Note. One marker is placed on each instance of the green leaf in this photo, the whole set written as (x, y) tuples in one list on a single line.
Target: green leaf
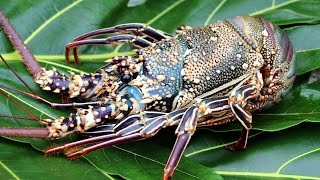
[(47, 26), (25, 163), (289, 154), (299, 105)]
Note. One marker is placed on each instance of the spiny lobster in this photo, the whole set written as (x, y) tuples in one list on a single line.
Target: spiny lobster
[(199, 77)]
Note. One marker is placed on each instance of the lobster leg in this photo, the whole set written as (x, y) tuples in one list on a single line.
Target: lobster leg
[(237, 101), (219, 109), (84, 119), (113, 40), (127, 66), (57, 105), (133, 128), (35, 96), (52, 80), (137, 29), (110, 131), (184, 132)]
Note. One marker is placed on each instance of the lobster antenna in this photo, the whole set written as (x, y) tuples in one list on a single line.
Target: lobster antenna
[(25, 132), (29, 60), (18, 117), (19, 105), (35, 96), (16, 74)]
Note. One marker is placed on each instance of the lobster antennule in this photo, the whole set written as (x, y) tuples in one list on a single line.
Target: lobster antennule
[(25, 132), (29, 60)]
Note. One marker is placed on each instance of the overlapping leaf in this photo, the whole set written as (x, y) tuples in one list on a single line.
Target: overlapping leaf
[(46, 26)]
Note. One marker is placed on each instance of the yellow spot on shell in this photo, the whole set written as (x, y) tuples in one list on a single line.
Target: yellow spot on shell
[(161, 78), (265, 33), (197, 81), (56, 90), (46, 88), (245, 66)]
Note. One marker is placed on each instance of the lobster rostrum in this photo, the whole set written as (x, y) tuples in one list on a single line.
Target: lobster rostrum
[(202, 76)]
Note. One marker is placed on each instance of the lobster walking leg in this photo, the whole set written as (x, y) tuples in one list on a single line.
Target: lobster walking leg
[(110, 131), (184, 132), (237, 101), (126, 66), (81, 121), (137, 29), (133, 128), (113, 40), (217, 107), (35, 96)]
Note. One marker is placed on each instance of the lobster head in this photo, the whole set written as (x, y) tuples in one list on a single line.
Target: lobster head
[(279, 68)]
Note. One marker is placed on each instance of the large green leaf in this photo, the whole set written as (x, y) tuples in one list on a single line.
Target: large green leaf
[(46, 26)]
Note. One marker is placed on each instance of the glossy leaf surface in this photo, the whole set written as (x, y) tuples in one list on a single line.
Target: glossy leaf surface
[(47, 26)]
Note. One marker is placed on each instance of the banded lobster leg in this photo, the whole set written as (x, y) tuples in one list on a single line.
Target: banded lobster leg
[(81, 121), (51, 80), (219, 110), (89, 85), (108, 132), (37, 97), (113, 108), (139, 30), (242, 107)]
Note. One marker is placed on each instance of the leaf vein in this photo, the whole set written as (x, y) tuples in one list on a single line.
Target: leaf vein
[(216, 147), (47, 22), (164, 12), (9, 170), (295, 158), (139, 155), (273, 7), (215, 10)]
